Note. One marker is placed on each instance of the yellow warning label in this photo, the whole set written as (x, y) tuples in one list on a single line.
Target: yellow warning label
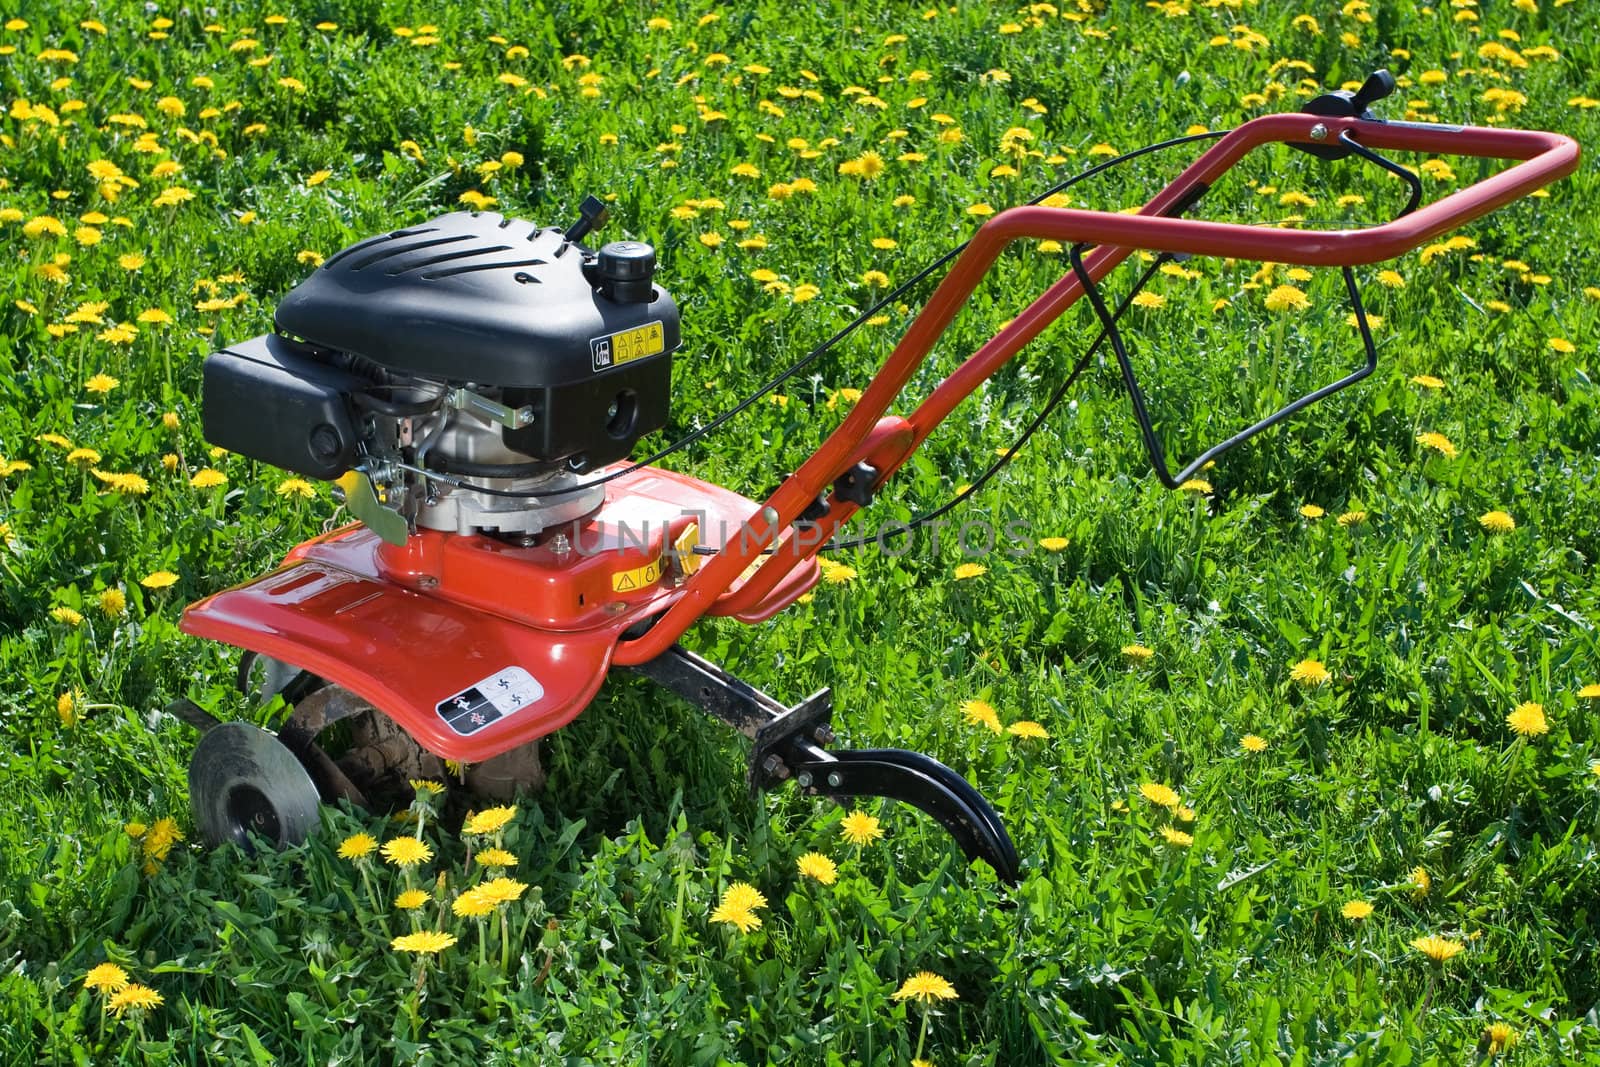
[(636, 579), (637, 343), (688, 559)]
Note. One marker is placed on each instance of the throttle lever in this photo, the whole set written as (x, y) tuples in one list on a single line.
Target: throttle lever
[(1344, 104)]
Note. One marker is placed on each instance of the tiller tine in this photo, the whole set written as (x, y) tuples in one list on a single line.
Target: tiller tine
[(787, 743), (924, 783)]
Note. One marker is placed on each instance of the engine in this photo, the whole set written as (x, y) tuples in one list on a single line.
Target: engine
[(476, 368)]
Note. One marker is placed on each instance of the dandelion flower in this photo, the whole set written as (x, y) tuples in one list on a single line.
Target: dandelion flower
[(1197, 486), (1439, 443), (1253, 743), (106, 978), (1590, 692), (496, 857), (1436, 948), (406, 851), (432, 788), (1287, 298), (742, 918), (357, 846), (158, 580), (66, 615), (1356, 910), (423, 942), (1156, 793), (113, 602), (859, 828), (1352, 518), (1420, 882), (970, 570), (981, 713), (1562, 345), (1427, 381), (411, 899), (208, 478), (925, 987), (296, 487), (504, 890), (1176, 838), (1497, 1038), (1497, 522), (474, 904), (1311, 512), (1054, 544), (816, 866), (836, 573), (1028, 730), (1310, 673), (1528, 720), (101, 384), (135, 996), (489, 820)]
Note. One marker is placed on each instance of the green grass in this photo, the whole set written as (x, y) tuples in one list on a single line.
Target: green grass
[(1118, 947)]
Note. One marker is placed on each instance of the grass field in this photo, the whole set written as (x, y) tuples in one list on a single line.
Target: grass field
[(1300, 720)]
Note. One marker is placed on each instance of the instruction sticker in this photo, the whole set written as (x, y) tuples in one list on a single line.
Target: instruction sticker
[(625, 347), (636, 579), (501, 694)]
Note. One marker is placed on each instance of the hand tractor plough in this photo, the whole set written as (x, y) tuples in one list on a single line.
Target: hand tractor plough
[(475, 384)]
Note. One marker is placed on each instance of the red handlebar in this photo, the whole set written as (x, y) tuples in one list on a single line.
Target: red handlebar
[(885, 443)]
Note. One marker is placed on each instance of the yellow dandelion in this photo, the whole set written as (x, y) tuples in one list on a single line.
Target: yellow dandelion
[(1054, 544), (1562, 345), (1028, 730), (423, 942), (100, 384), (1497, 1038), (1159, 794), (820, 868), (406, 851), (208, 478), (1253, 743), (357, 846), (106, 978), (411, 899), (1311, 512), (1287, 298), (1356, 910), (503, 890), (296, 487), (1352, 518), (489, 821), (1197, 486), (113, 602), (1497, 522), (1310, 673), (135, 996), (1436, 948), (1527, 719), (83, 457), (474, 904), (1590, 692), (859, 828), (742, 918), (1427, 381), (1176, 838), (1420, 881), (158, 580), (926, 987), (496, 857), (66, 615), (981, 713), (970, 570), (1438, 442)]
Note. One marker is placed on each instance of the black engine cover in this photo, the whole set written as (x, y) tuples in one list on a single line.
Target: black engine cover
[(482, 298)]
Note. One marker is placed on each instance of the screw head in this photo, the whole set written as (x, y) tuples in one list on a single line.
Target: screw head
[(804, 779), (835, 779), (773, 766), (1319, 132)]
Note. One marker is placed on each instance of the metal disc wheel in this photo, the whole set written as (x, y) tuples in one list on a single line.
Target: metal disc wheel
[(243, 781)]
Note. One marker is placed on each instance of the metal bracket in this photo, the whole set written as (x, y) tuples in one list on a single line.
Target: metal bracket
[(771, 725)]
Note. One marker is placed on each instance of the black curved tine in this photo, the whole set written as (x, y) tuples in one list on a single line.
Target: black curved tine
[(951, 780), (970, 824)]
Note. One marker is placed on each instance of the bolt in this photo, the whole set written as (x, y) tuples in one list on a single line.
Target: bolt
[(835, 779), (524, 416), (560, 546), (804, 779), (428, 581), (823, 734), (773, 767), (1319, 132)]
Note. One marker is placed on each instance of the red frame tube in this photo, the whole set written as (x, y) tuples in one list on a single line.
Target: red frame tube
[(1545, 157)]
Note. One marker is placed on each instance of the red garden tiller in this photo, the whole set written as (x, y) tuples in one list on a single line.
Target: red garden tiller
[(475, 384)]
